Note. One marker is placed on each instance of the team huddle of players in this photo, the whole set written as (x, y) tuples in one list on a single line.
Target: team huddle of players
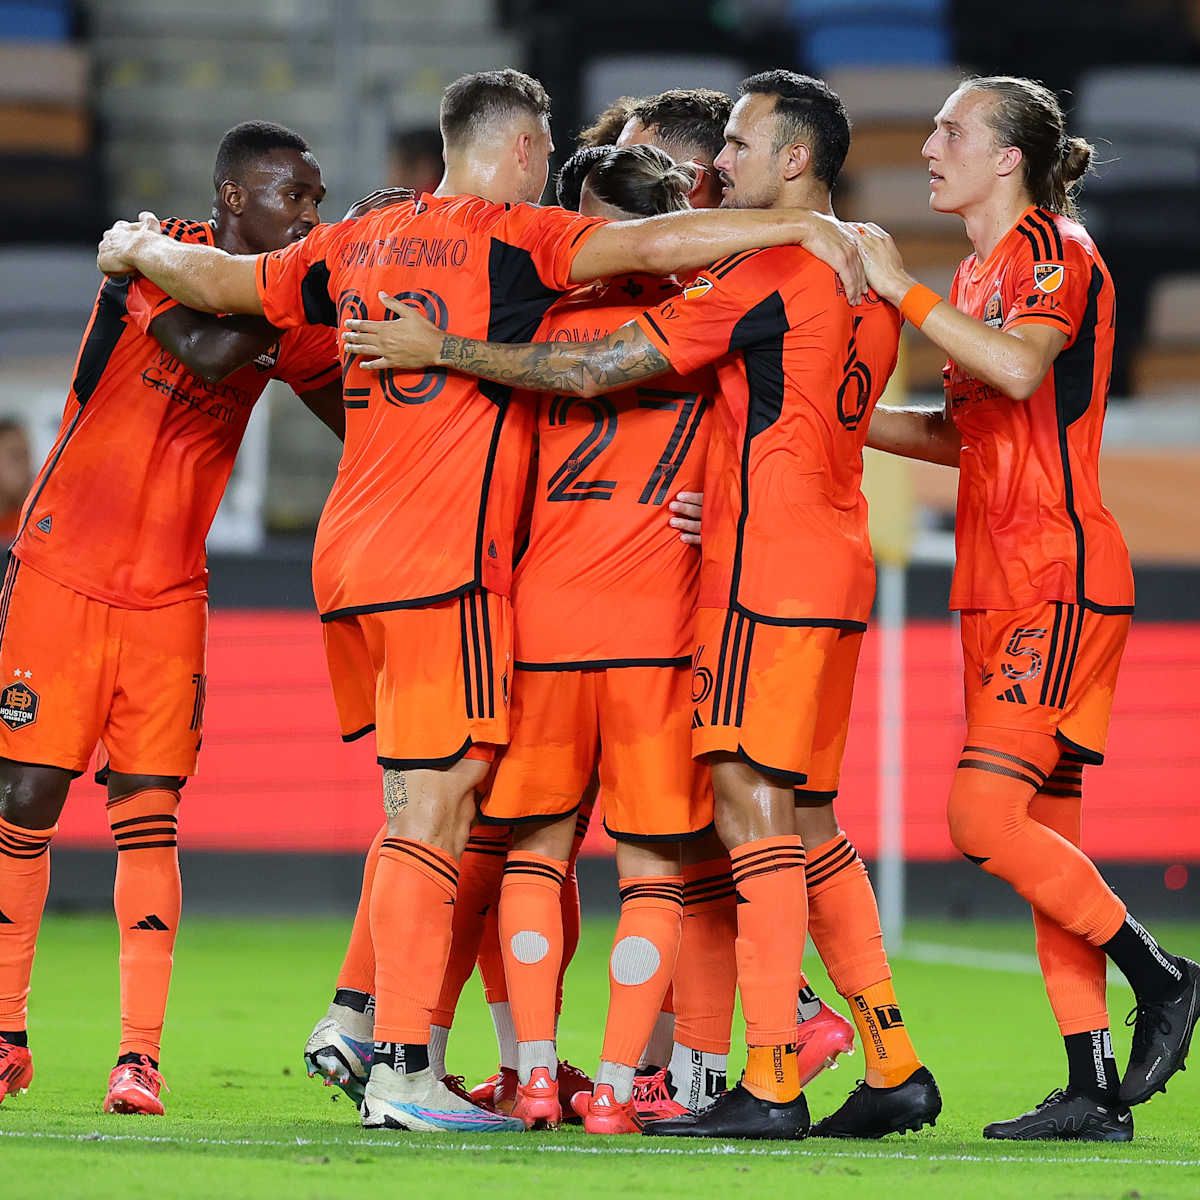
[(527, 394)]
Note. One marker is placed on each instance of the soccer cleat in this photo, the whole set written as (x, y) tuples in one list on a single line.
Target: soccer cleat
[(134, 1087), (652, 1099), (16, 1069), (1066, 1115), (422, 1103), (340, 1049), (603, 1113), (1162, 1035), (819, 1041), (497, 1093), (538, 1105), (871, 1112), (738, 1113), (571, 1081)]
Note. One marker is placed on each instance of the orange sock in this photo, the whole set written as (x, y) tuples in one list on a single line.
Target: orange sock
[(479, 873), (1074, 969), (358, 967), (412, 908), (706, 970), (24, 882), (843, 919), (772, 916), (531, 941), (147, 900), (997, 776), (643, 958), (490, 961), (887, 1048), (772, 1073), (571, 913)]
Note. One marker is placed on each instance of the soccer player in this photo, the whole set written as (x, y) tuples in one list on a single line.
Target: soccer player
[(103, 614), (605, 129), (776, 643), (1042, 579), (418, 634)]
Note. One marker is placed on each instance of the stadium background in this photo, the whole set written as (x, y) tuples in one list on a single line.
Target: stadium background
[(111, 106)]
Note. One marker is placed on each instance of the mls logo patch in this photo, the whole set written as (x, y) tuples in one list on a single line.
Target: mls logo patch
[(697, 288), (18, 706), (1048, 277)]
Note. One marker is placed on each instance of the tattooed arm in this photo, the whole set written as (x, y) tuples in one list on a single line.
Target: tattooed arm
[(410, 342)]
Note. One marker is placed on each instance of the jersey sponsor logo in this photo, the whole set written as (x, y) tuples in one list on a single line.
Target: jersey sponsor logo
[(219, 401), (19, 705), (1048, 277), (993, 314), (697, 288), (1012, 695)]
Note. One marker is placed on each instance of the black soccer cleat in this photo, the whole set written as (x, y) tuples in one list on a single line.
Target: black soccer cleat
[(1066, 1116), (739, 1114), (871, 1112), (1162, 1034)]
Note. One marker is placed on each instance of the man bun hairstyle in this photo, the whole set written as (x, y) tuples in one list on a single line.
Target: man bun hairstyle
[(1027, 114), (806, 110), (474, 104), (689, 121), (249, 141), (568, 184), (642, 181)]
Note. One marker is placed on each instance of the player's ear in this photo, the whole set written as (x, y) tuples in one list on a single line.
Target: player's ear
[(700, 175), (1008, 160), (798, 159), (232, 197), (524, 149)]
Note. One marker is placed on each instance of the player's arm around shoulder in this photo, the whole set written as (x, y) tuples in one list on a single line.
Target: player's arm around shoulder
[(410, 342), (209, 346), (201, 277), (1013, 360)]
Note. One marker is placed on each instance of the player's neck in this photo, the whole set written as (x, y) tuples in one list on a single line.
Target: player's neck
[(988, 222), (478, 177), (810, 198), (228, 237)]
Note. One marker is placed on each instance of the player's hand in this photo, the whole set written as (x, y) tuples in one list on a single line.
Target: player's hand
[(407, 342), (118, 246), (686, 506), (835, 244), (883, 262), (380, 198)]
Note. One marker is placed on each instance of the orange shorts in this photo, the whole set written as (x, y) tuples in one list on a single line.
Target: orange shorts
[(634, 721), (1051, 668), (777, 696), (431, 682), (75, 671)]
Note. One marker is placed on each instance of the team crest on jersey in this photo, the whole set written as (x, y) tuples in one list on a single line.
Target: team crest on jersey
[(1048, 277), (268, 358), (698, 287), (19, 706), (993, 315)]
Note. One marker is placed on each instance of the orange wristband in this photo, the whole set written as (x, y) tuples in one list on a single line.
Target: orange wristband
[(919, 301)]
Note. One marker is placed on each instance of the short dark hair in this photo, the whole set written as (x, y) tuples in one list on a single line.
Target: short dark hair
[(607, 126), (472, 102), (250, 140), (642, 181), (690, 121), (569, 183), (806, 108)]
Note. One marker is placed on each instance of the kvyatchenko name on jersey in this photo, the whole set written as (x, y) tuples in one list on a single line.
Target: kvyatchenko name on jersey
[(404, 252)]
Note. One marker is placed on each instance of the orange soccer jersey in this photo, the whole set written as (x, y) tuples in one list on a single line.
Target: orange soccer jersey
[(1031, 526), (799, 371), (425, 502), (121, 509), (605, 580)]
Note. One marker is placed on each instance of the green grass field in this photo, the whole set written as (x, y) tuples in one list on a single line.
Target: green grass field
[(243, 1121)]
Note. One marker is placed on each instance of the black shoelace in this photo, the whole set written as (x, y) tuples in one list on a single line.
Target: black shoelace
[(1147, 1017)]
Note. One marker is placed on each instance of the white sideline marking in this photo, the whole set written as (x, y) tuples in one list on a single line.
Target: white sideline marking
[(486, 1146), (946, 955)]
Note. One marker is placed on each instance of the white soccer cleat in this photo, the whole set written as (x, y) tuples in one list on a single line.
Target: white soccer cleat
[(422, 1103), (340, 1049)]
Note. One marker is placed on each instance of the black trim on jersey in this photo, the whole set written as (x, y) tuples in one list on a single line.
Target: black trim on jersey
[(1092, 758), (813, 798), (555, 816), (720, 270), (500, 396), (1033, 242), (759, 335), (1108, 610), (604, 664), (319, 308), (358, 733), (102, 338), (795, 778), (1073, 373), (421, 764), (31, 504), (733, 666), (691, 836), (654, 325), (356, 404), (10, 581), (802, 622), (1035, 229), (1048, 222), (519, 298), (356, 610)]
